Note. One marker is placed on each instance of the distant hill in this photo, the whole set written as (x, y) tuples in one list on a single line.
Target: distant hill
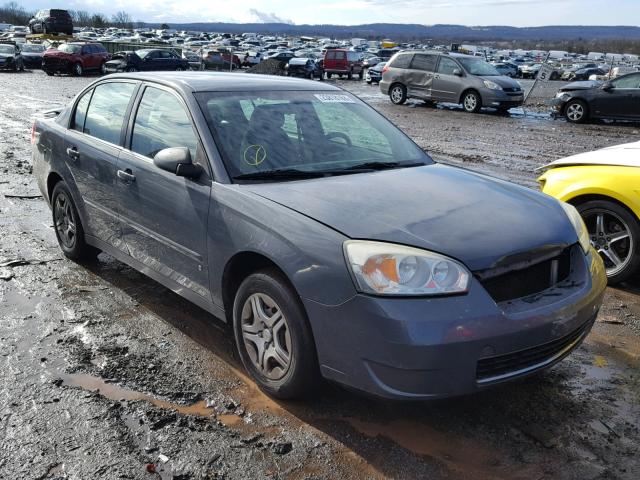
[(423, 32)]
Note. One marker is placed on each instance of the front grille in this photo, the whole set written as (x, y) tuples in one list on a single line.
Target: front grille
[(513, 89), (529, 281), (512, 364), (52, 62)]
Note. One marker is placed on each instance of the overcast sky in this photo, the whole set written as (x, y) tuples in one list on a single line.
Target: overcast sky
[(352, 12)]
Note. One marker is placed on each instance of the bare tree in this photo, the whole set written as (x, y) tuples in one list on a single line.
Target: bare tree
[(122, 19)]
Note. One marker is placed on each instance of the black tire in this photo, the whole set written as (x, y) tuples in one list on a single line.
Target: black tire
[(74, 248), (132, 69), (49, 73), (350, 75), (103, 68), (361, 74), (471, 101), (77, 70), (302, 374), (369, 82), (615, 215), (328, 75), (576, 111), (398, 94)]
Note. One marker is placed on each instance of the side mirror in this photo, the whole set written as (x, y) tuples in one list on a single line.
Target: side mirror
[(607, 86), (177, 160), (457, 72)]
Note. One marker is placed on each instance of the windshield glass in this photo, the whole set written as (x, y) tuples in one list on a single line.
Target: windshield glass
[(313, 131), (10, 49), (68, 48), (27, 47), (478, 67)]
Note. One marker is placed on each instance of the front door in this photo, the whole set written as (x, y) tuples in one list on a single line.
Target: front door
[(621, 101), (164, 217), (447, 87), (92, 148), (420, 75)]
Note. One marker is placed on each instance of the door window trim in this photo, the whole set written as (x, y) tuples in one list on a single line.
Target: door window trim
[(127, 113), (134, 113)]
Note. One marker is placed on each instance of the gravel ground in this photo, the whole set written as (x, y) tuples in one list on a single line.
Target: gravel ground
[(106, 374)]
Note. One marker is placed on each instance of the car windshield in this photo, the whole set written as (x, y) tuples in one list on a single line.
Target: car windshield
[(10, 49), (68, 48), (313, 132), (478, 67), (32, 48)]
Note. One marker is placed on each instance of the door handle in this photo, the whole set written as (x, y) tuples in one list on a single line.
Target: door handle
[(73, 153), (126, 176)]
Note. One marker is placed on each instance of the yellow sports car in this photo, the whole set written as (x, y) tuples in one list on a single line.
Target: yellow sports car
[(605, 188)]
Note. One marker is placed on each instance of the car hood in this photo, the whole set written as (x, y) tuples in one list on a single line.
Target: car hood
[(625, 155), (7, 55), (503, 81), (483, 222), (584, 85)]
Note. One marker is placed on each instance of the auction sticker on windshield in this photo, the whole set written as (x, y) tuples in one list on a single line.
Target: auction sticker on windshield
[(333, 98)]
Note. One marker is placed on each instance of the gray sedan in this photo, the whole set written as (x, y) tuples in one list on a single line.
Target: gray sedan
[(331, 242)]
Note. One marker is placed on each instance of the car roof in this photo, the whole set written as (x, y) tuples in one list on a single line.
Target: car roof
[(225, 81)]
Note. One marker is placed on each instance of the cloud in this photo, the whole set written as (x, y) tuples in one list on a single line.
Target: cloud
[(264, 17)]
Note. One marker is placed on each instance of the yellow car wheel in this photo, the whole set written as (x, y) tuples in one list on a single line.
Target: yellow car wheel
[(615, 234)]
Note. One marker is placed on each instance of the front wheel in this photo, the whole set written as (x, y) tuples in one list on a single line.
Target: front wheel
[(575, 111), (472, 102), (398, 94), (614, 233), (77, 70), (68, 227), (273, 336), (328, 75), (103, 69)]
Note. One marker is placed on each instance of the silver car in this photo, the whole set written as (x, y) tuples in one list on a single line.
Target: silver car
[(449, 77)]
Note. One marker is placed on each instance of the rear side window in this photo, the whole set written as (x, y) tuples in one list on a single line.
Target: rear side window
[(105, 115), (162, 122), (402, 61), (423, 62), (81, 112)]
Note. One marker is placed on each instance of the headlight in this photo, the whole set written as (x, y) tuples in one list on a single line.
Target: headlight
[(492, 85), (387, 269), (564, 96), (578, 224)]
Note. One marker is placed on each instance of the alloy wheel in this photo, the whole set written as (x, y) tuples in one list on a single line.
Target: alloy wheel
[(65, 222), (396, 94), (470, 102), (611, 237), (575, 112), (266, 336)]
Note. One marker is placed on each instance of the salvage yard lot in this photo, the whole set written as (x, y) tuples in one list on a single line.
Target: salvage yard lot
[(106, 374)]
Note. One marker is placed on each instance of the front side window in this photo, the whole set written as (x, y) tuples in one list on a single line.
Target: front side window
[(447, 66), (479, 67), (80, 114), (630, 81), (317, 131), (162, 122), (105, 115)]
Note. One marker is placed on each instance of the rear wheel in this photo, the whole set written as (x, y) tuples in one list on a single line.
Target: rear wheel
[(614, 232), (68, 227), (398, 94), (575, 111), (273, 336), (472, 102)]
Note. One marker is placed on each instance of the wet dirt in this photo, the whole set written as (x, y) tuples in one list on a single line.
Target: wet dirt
[(104, 372)]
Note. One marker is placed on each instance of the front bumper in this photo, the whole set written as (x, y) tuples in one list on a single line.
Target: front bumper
[(427, 348), (501, 99)]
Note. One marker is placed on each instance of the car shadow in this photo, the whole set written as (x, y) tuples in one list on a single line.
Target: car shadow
[(505, 432)]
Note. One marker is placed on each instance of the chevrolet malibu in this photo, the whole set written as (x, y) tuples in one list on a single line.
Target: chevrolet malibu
[(332, 243)]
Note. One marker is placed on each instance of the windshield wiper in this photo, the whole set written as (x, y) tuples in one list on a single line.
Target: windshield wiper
[(383, 165), (280, 174)]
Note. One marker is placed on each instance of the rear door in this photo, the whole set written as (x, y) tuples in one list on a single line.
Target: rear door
[(420, 75), (93, 144), (447, 87), (164, 217)]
